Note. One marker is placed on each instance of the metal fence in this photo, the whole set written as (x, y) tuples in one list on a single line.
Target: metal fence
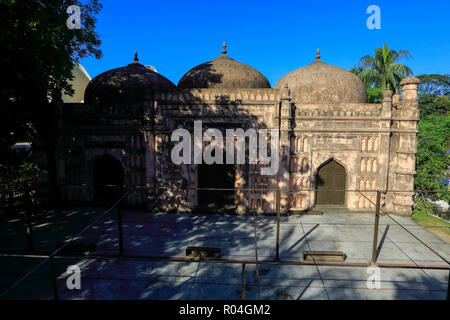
[(117, 209)]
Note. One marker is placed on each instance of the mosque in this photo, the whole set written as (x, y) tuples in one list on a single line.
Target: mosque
[(332, 142)]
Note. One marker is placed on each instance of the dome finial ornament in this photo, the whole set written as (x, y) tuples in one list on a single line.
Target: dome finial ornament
[(318, 54), (223, 73), (322, 83), (135, 60), (224, 48), (388, 92), (130, 83)]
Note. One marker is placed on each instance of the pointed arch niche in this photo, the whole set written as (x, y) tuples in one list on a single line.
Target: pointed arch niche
[(331, 182)]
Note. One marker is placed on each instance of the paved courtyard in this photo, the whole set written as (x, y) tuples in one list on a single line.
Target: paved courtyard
[(167, 235)]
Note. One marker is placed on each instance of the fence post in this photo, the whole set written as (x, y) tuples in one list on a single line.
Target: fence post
[(448, 286), (28, 220), (53, 276), (243, 282), (119, 222), (277, 256), (10, 200), (375, 231)]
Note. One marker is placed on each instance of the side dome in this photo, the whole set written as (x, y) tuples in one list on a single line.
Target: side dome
[(224, 73), (319, 82), (79, 83), (131, 83)]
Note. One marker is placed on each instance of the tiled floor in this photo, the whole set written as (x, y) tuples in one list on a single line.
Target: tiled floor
[(169, 234)]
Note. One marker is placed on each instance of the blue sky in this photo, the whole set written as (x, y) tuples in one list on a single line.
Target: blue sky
[(275, 37)]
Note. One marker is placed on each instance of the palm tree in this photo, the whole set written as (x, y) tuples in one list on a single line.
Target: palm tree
[(383, 68)]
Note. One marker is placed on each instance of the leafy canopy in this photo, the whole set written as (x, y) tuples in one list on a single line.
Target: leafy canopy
[(432, 160), (434, 84), (374, 95), (383, 68), (37, 56), (429, 104)]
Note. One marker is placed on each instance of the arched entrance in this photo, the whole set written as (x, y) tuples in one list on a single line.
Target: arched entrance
[(107, 173), (330, 183), (220, 176)]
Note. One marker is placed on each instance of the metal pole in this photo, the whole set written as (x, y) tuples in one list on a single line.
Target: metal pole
[(28, 222), (29, 230), (256, 247), (243, 282), (375, 231), (448, 286), (277, 256), (10, 200), (53, 276), (119, 221)]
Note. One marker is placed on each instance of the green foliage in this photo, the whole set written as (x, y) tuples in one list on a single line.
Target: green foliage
[(37, 57), (422, 206), (19, 167), (433, 158), (374, 95), (421, 210), (423, 215), (383, 68), (430, 103), (356, 70), (434, 91), (433, 161), (434, 84)]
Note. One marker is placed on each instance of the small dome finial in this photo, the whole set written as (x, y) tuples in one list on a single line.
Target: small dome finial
[(135, 60), (224, 48), (388, 92), (318, 54)]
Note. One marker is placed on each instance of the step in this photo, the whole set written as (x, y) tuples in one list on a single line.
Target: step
[(203, 252), (324, 256)]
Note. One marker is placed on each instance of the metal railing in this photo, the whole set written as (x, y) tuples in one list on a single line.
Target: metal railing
[(121, 255)]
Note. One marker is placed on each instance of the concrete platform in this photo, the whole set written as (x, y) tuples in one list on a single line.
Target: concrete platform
[(168, 235)]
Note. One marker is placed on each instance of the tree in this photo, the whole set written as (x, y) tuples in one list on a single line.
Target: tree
[(434, 84), (383, 68), (434, 94), (374, 95), (433, 158), (429, 104), (433, 161), (37, 56)]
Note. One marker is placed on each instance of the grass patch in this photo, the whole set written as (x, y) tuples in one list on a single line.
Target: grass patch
[(422, 215)]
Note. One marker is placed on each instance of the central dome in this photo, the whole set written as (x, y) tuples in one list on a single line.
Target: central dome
[(223, 72), (323, 83)]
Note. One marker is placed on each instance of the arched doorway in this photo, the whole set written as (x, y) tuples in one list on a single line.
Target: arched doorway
[(330, 183), (221, 176), (107, 173)]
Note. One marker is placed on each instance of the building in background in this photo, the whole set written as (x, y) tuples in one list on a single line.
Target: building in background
[(79, 83), (332, 142)]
